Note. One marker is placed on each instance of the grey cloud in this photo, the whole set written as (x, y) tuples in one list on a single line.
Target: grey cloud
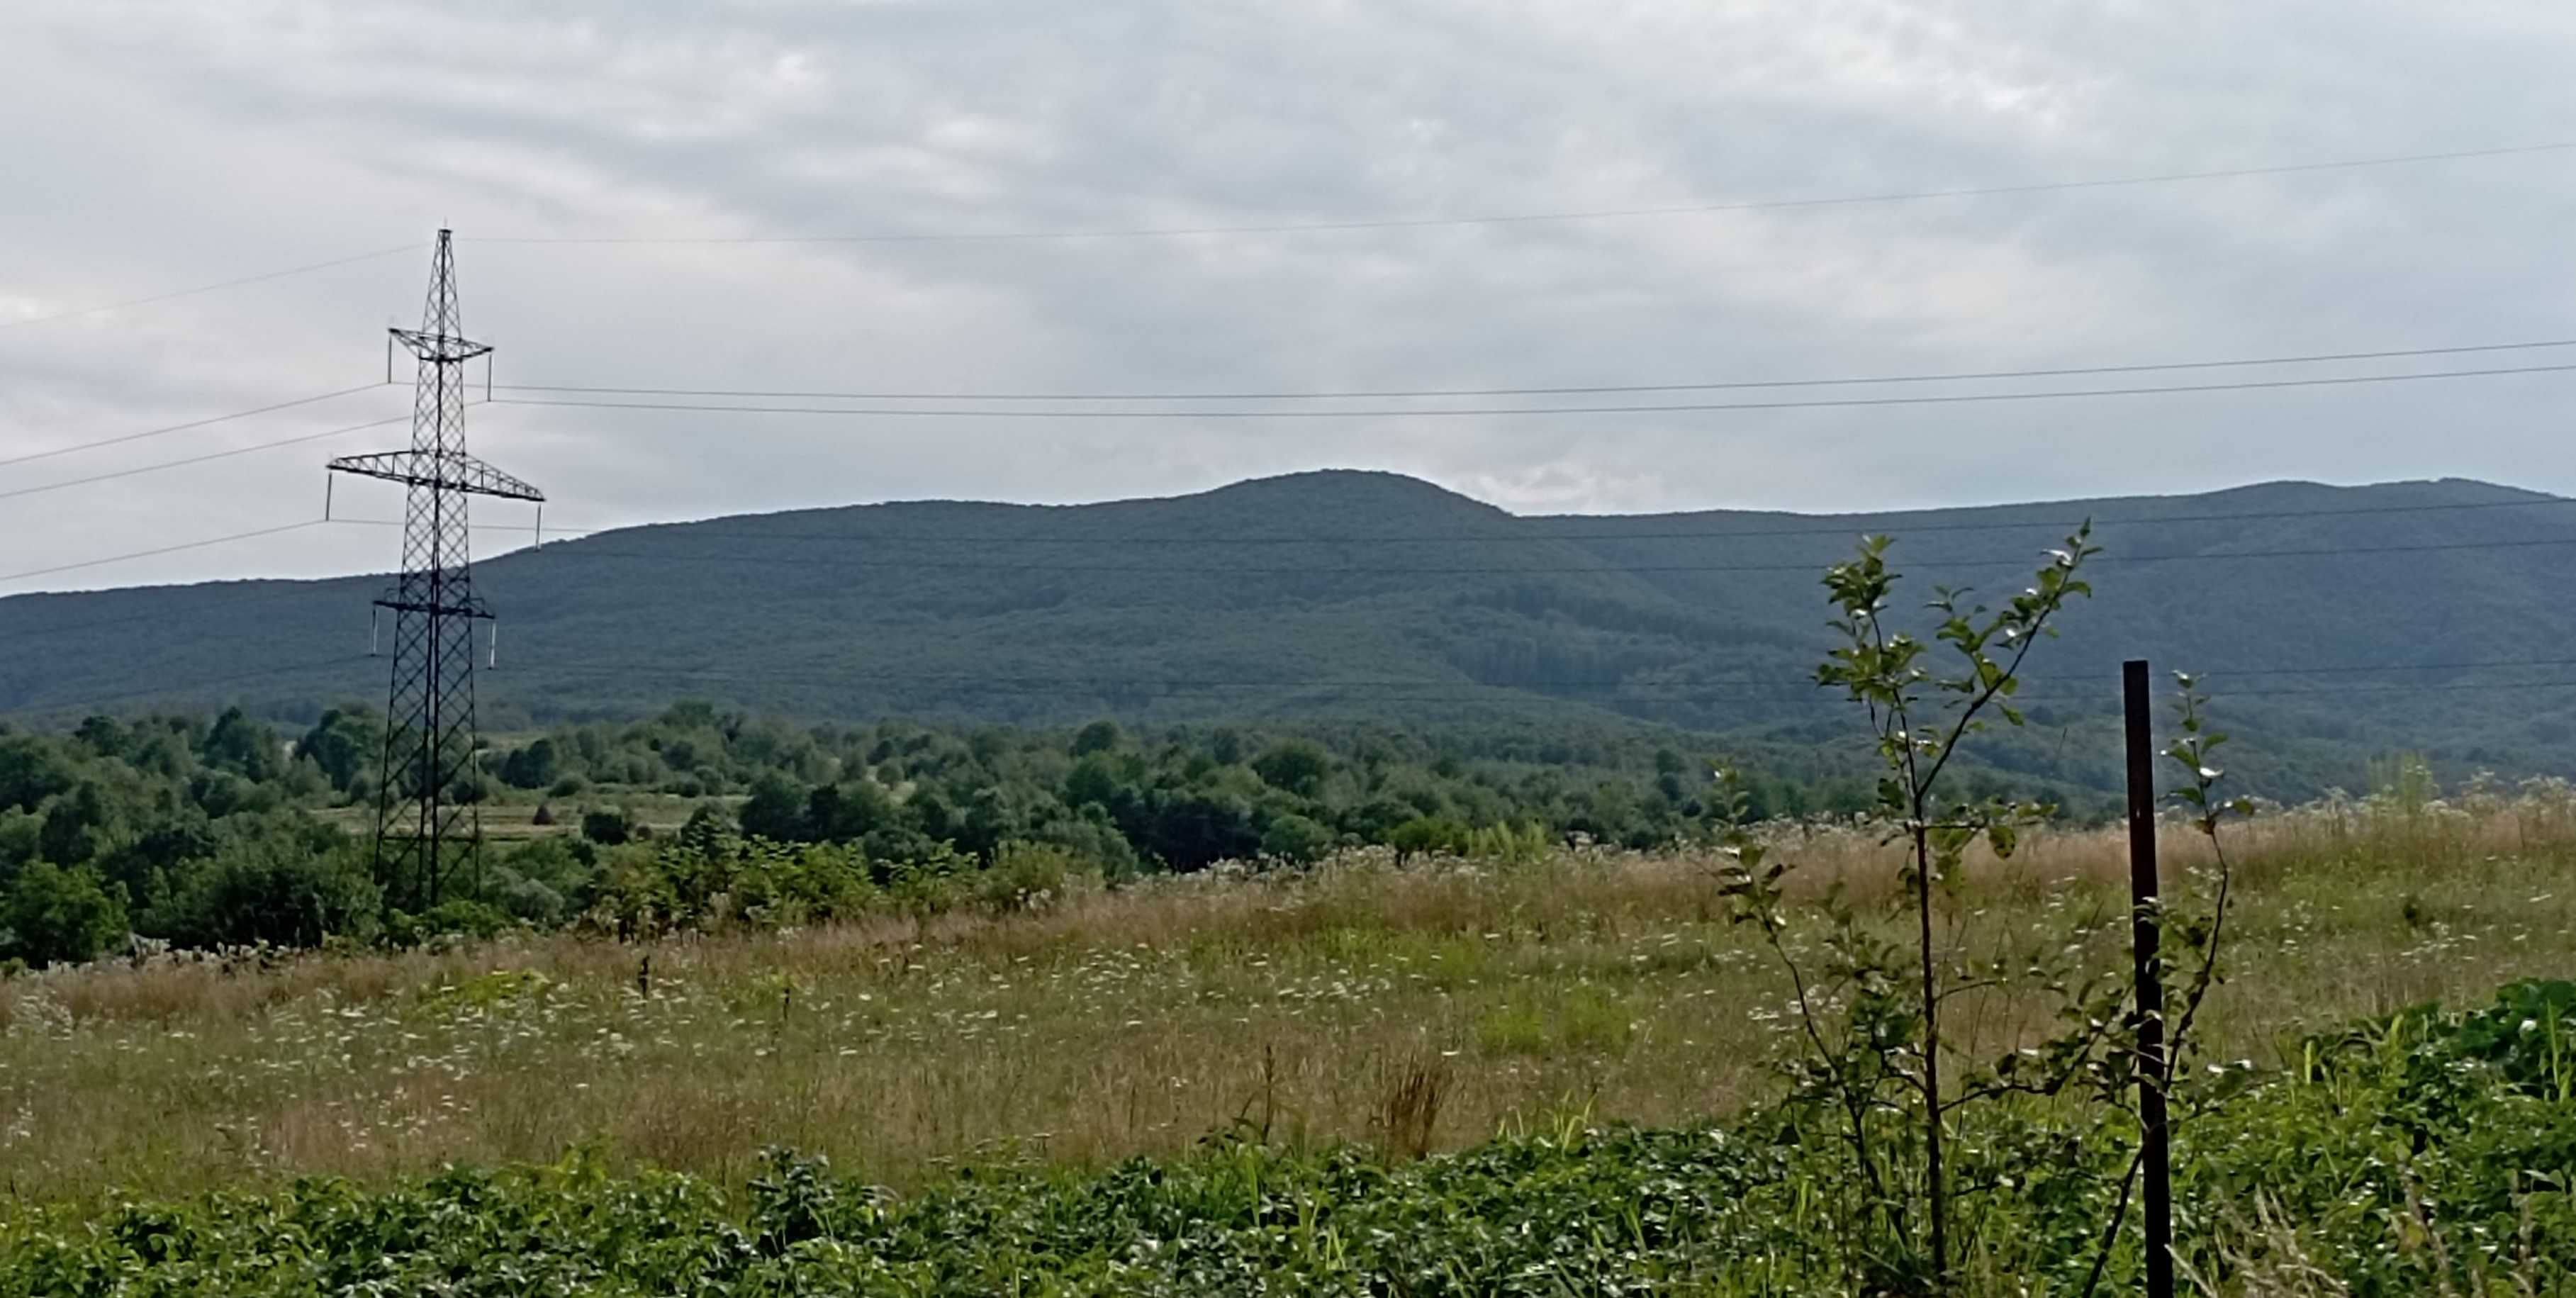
[(203, 133)]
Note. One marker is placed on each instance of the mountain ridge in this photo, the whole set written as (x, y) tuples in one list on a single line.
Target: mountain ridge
[(1344, 594)]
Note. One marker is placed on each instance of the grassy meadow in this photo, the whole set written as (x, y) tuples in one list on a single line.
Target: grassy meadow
[(1428, 1007)]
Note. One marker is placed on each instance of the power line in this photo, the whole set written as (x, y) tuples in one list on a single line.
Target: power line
[(161, 550), (1582, 390), (200, 459), (1531, 218), (1450, 412), (181, 428), (209, 288)]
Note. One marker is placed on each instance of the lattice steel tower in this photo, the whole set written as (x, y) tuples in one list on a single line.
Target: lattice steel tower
[(423, 833)]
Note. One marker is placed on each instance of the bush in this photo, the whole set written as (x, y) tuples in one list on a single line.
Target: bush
[(52, 915), (269, 889), (608, 828), (1296, 839), (1027, 876), (1095, 841), (455, 917), (1427, 835), (1298, 766), (530, 901)]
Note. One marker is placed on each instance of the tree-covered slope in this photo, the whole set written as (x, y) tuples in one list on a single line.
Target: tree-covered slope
[(1369, 595)]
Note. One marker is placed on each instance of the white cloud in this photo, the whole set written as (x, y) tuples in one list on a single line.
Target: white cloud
[(181, 144)]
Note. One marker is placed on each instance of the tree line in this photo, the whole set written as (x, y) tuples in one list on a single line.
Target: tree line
[(217, 831)]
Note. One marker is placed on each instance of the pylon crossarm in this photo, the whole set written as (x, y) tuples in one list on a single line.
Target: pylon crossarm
[(473, 608), (446, 470), (438, 346)]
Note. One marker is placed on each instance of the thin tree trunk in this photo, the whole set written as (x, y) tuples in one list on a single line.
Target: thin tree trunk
[(1939, 1197)]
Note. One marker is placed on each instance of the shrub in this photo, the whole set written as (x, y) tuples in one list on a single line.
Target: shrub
[(1510, 845), (455, 917), (608, 828), (1026, 876), (1427, 835), (271, 889), (1298, 766), (1295, 839), (53, 915)]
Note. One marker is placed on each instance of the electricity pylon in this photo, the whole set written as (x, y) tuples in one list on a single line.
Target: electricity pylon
[(423, 830)]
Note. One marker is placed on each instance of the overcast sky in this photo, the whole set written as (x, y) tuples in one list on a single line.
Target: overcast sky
[(158, 147)]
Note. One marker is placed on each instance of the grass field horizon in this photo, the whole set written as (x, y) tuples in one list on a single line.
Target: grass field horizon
[(1413, 1008)]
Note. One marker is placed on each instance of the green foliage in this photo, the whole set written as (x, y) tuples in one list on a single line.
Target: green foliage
[(282, 888), (607, 826), (1605, 627), (1427, 835), (2403, 1158), (1098, 737), (1296, 766), (1295, 839), (51, 915), (1871, 1054), (456, 917), (534, 766), (148, 803), (1028, 876), (1525, 844), (345, 744)]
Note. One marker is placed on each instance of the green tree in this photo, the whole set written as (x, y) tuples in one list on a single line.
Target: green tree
[(82, 825), (1298, 766), (344, 743), (32, 769), (244, 747), (273, 887), (776, 808), (1883, 1062), (1424, 835), (1096, 780), (607, 826), (533, 765), (52, 915), (1295, 839), (1098, 737)]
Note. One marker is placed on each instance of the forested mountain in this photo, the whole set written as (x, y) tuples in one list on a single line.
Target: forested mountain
[(2334, 622)]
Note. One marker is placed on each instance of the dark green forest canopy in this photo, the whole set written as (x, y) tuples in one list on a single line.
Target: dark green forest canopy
[(221, 831), (1342, 596)]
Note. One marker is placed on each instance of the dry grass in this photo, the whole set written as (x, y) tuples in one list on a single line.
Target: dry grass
[(1415, 1009)]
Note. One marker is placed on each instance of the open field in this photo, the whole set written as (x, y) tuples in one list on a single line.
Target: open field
[(1316, 1008)]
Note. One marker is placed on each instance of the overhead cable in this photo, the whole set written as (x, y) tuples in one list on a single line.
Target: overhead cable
[(162, 550), (200, 459), (209, 288), (181, 428), (1958, 398), (2312, 358)]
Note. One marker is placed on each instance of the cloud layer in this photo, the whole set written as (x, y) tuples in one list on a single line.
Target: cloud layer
[(175, 145)]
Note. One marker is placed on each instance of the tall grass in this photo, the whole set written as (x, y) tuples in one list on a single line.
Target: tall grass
[(1418, 1008)]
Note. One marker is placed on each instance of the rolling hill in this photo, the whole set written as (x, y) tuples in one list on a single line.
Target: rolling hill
[(2335, 621)]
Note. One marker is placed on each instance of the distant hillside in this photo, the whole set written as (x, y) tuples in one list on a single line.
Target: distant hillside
[(1342, 595)]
